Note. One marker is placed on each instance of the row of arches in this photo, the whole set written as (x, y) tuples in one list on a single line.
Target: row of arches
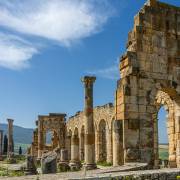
[(77, 138), (105, 136)]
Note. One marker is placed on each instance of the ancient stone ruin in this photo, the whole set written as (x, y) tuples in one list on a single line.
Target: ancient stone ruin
[(127, 131), (150, 78)]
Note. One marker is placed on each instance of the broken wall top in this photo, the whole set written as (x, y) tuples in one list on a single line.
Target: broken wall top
[(153, 47)]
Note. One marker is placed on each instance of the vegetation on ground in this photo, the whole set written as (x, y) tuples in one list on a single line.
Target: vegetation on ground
[(10, 173), (104, 163)]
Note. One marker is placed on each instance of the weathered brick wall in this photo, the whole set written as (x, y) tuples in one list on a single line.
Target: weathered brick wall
[(101, 113), (150, 70)]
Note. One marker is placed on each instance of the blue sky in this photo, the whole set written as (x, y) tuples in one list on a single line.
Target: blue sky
[(47, 46)]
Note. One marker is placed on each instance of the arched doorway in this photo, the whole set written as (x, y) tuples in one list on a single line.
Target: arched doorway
[(164, 103), (102, 141), (163, 137)]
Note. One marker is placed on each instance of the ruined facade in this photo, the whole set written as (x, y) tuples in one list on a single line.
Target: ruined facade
[(53, 123), (150, 78), (128, 130), (10, 150), (103, 119), (74, 128)]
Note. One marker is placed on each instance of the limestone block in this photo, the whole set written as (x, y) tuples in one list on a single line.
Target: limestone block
[(151, 109), (132, 155), (142, 108), (142, 100), (131, 115), (131, 107), (30, 166), (146, 155), (49, 163)]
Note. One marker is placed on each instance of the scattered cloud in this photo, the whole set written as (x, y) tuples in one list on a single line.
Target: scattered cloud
[(64, 21), (15, 52), (111, 72), (60, 21)]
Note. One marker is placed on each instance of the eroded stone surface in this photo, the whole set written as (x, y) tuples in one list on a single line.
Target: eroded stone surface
[(128, 130)]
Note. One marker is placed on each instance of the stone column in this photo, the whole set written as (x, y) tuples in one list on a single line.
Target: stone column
[(10, 138), (68, 146), (1, 144), (109, 147), (89, 123), (97, 145), (75, 163), (81, 150), (156, 143), (118, 153), (177, 134), (40, 138)]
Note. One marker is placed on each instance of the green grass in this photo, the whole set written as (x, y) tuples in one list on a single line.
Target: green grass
[(104, 163), (163, 154), (10, 173)]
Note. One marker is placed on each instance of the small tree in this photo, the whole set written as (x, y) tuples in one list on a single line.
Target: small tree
[(5, 144), (20, 150)]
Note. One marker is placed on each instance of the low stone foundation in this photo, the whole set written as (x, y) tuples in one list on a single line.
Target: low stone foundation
[(164, 174)]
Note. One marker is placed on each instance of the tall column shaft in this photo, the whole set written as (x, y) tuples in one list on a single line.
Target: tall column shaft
[(81, 150), (109, 146), (156, 144), (40, 138), (75, 149), (10, 138), (1, 142), (118, 153), (89, 123), (97, 145)]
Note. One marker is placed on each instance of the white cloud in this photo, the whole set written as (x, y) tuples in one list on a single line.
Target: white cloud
[(111, 72), (15, 52), (64, 21)]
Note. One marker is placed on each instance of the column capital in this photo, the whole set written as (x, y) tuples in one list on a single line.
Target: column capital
[(10, 120), (88, 79)]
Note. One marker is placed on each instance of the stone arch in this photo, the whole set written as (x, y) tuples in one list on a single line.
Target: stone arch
[(102, 140), (150, 64), (163, 99), (107, 115)]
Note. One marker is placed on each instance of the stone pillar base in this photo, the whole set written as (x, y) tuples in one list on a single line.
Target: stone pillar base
[(172, 164), (74, 166), (90, 166)]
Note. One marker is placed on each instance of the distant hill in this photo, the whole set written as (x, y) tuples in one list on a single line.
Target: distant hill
[(21, 135)]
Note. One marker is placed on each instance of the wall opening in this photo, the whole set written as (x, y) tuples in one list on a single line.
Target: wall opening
[(162, 134), (48, 138)]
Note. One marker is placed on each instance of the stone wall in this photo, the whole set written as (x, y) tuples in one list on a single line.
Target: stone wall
[(101, 113), (150, 78)]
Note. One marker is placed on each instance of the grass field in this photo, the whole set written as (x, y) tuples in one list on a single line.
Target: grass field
[(23, 146), (163, 152)]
